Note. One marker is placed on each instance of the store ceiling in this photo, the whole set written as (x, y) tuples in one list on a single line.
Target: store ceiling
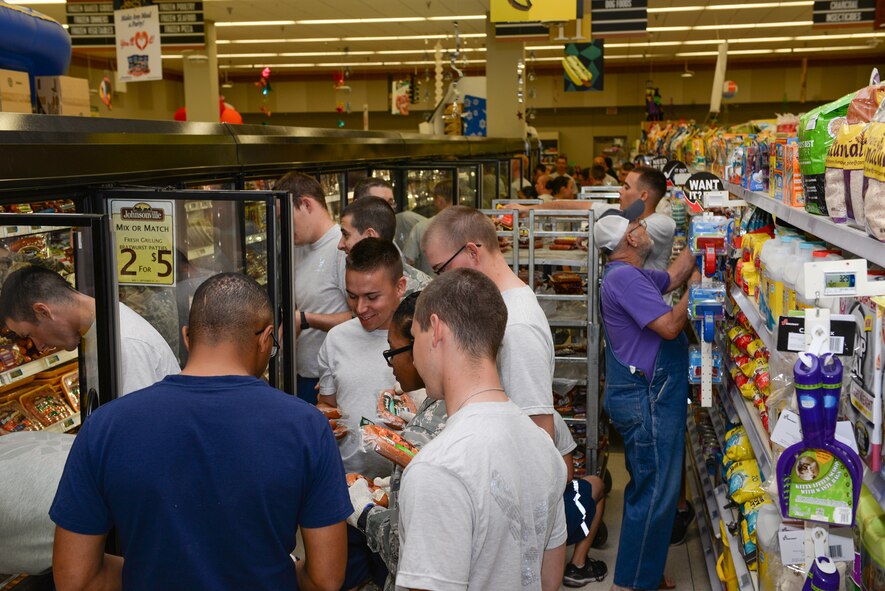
[(300, 38)]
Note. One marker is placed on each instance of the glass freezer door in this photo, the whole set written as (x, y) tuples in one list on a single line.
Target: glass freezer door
[(50, 377), (167, 242)]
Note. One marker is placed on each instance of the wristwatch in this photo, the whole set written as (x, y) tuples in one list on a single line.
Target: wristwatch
[(304, 324), (364, 517)]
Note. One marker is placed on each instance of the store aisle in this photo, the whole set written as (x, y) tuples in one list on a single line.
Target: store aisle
[(685, 563)]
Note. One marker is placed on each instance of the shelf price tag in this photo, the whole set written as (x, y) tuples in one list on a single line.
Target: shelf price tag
[(144, 233)]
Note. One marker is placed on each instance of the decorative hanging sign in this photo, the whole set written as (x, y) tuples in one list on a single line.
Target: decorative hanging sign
[(583, 66), (91, 22), (676, 173), (619, 18), (139, 56), (521, 11), (145, 241), (400, 92), (699, 188), (843, 13)]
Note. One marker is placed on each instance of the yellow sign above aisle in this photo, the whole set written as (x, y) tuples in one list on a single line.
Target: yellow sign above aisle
[(144, 235), (511, 11)]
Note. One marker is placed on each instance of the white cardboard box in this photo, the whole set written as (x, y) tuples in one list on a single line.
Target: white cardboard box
[(63, 95), (15, 92)]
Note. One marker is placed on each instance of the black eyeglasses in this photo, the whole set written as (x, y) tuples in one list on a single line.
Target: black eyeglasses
[(276, 345), (439, 270), (641, 224), (389, 354)]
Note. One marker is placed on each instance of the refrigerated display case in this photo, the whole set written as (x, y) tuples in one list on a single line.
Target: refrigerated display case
[(46, 388)]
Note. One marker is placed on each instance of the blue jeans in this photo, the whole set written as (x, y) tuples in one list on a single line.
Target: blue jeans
[(650, 416)]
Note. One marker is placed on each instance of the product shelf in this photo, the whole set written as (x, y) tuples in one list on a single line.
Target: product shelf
[(705, 528), (749, 418), (718, 427), (575, 420), (697, 460), (197, 206), (16, 231), (875, 483), (197, 253), (65, 425), (745, 580), (554, 258), (34, 367), (755, 317), (844, 236)]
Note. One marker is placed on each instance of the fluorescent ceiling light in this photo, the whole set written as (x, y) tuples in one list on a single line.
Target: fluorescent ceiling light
[(669, 9), (356, 21), (847, 36), (352, 21), (667, 29), (404, 51), (244, 55), (415, 37), (738, 41), (300, 40), (835, 48), (730, 52), (253, 23), (35, 2), (323, 53), (170, 56), (469, 17), (751, 26)]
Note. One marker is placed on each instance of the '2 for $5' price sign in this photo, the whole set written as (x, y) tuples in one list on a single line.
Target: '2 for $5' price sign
[(144, 233)]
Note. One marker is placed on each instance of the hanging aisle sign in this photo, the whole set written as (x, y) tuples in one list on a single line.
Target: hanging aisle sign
[(511, 11), (844, 13), (139, 56), (91, 23), (144, 239), (623, 18)]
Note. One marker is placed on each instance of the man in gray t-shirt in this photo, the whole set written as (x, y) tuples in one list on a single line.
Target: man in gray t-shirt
[(320, 298), (353, 371), (463, 237), (372, 217), (649, 186), (481, 504)]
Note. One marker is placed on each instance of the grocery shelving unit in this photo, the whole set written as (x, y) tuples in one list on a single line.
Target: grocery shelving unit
[(704, 500), (579, 311), (847, 237), (745, 580)]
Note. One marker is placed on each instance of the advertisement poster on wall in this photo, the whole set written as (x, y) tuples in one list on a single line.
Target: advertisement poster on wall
[(400, 93), (583, 66), (139, 55)]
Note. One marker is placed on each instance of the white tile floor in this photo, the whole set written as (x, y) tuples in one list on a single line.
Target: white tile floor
[(685, 563)]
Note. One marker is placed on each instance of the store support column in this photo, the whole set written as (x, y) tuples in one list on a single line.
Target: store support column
[(201, 80), (502, 106)]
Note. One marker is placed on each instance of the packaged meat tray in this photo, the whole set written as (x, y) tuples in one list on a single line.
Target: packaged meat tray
[(45, 404), (70, 385), (13, 418)]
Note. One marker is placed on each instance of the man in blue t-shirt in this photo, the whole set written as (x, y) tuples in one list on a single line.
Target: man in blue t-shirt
[(207, 475), (646, 388)]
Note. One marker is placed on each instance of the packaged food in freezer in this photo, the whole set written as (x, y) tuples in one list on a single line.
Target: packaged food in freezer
[(45, 404), (70, 385), (13, 418)]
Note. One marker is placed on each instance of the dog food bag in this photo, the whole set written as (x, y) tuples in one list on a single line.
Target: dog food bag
[(817, 131), (845, 174), (874, 177)]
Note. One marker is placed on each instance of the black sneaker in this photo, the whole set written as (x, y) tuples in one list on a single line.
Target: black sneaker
[(680, 525), (593, 570)]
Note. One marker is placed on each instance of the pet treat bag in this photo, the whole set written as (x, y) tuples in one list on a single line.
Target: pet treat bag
[(845, 176), (817, 131), (874, 177)]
